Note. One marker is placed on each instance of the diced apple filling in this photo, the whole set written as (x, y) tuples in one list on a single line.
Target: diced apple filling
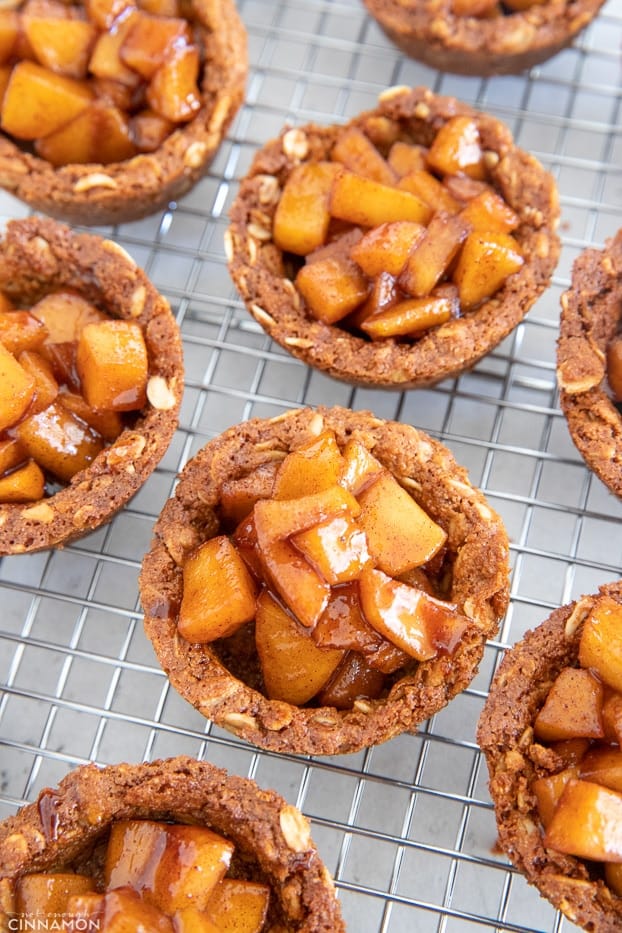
[(580, 806), (97, 82), (68, 376), (329, 559), (384, 235), (491, 9), (158, 877)]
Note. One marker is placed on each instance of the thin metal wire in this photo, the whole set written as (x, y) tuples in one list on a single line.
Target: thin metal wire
[(407, 828)]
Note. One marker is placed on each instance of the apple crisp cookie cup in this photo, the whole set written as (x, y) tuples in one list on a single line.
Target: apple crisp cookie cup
[(67, 827), (516, 759), (262, 271), (450, 36), (97, 194), (227, 688), (39, 257), (590, 319)]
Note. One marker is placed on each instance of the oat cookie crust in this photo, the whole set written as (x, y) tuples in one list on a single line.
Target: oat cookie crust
[(590, 317), (259, 272), (427, 470), (68, 826), (515, 760), (38, 256), (94, 194), (431, 32)]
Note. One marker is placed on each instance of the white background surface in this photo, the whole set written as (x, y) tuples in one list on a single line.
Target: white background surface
[(407, 828)]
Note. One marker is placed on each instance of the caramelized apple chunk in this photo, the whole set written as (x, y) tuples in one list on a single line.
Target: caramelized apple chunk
[(313, 467), (47, 894), (332, 288), (369, 203), (601, 642), (20, 330), (586, 822), (400, 534), (484, 264), (60, 443), (302, 218), (237, 906), (573, 708), (37, 101), (219, 592), (112, 364), (417, 623), (59, 41), (17, 389), (456, 149), (170, 865), (294, 669)]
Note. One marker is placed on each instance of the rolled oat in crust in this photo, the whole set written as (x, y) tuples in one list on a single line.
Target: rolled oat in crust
[(94, 194), (515, 760), (431, 32), (477, 543), (259, 271), (39, 256), (66, 829), (590, 317)]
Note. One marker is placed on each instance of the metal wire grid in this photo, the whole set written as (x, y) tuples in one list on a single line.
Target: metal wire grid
[(406, 828)]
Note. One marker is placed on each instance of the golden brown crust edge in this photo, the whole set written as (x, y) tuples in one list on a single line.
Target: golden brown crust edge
[(429, 31), (62, 826), (256, 264), (94, 194), (589, 318), (40, 255), (514, 759), (429, 472)]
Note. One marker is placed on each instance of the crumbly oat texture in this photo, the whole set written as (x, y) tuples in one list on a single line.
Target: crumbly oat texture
[(66, 827), (259, 271), (38, 256), (589, 319), (431, 32), (94, 194), (477, 543), (515, 760)]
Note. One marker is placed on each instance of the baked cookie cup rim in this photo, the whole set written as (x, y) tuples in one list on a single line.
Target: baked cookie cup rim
[(505, 736), (100, 194), (257, 268), (480, 586), (590, 315), (39, 256), (180, 789), (507, 44)]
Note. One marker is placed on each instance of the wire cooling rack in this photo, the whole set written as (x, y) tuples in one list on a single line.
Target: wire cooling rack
[(406, 828)]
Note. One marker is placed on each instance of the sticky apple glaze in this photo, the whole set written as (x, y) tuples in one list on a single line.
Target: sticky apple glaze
[(222, 680), (588, 334), (94, 194), (517, 759), (39, 257), (461, 36), (264, 275), (67, 829)]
